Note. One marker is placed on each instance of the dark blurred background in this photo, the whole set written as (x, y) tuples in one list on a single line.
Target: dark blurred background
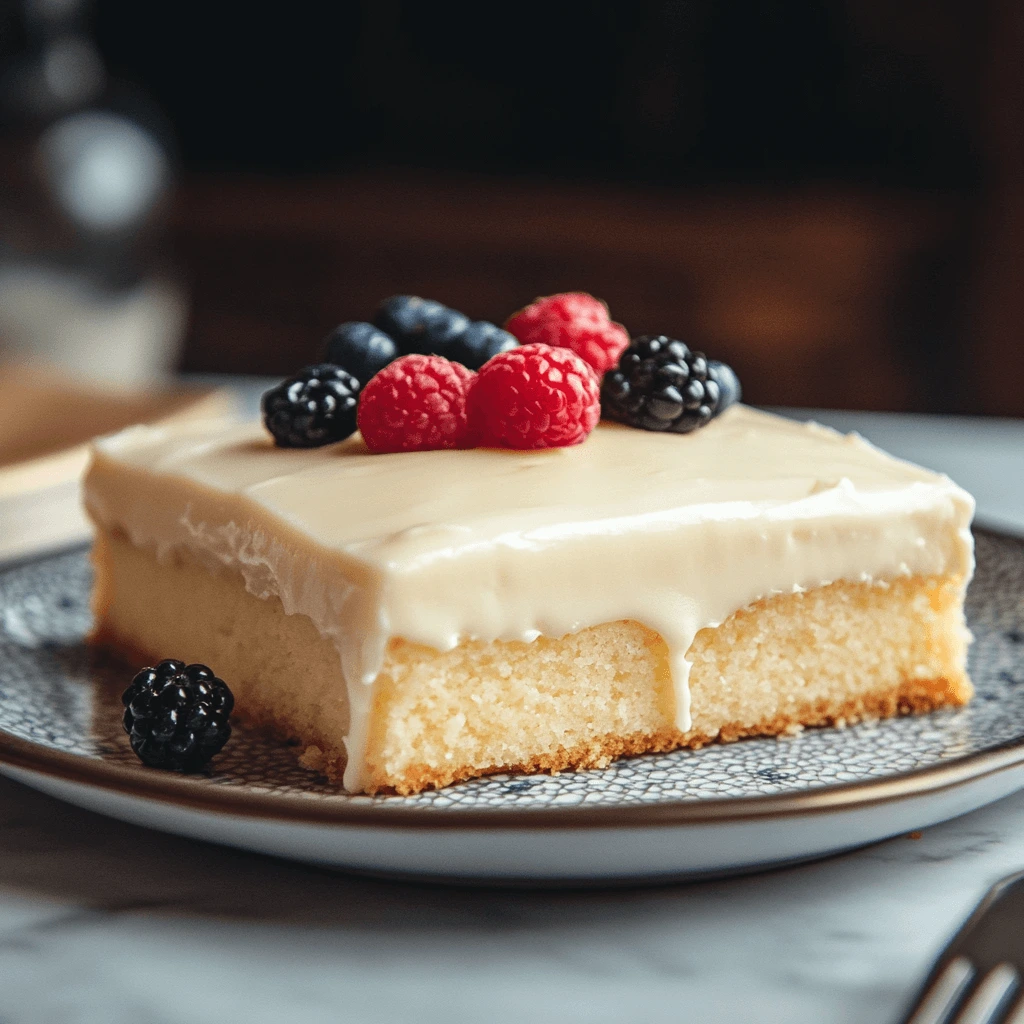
[(829, 195)]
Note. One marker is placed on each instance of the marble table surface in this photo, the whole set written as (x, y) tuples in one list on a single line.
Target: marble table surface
[(106, 923)]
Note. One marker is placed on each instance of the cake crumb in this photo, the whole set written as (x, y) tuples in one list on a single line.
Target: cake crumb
[(313, 758)]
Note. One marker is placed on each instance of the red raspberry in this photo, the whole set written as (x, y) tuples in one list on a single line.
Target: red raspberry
[(415, 404), (567, 306), (466, 375), (572, 320), (534, 396)]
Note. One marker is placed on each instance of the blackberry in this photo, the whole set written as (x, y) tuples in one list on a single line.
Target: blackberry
[(177, 715), (360, 348), (479, 342), (660, 384), (315, 407)]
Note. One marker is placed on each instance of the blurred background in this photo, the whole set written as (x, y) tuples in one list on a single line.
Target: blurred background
[(828, 195)]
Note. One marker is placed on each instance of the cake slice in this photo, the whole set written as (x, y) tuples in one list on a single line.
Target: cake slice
[(420, 618)]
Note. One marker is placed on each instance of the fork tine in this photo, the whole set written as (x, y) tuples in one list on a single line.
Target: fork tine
[(1016, 1015), (944, 993), (991, 997), (980, 975)]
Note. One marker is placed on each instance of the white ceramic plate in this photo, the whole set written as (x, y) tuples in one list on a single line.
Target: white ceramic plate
[(723, 809)]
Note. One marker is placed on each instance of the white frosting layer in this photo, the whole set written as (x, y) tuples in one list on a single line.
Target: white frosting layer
[(675, 532)]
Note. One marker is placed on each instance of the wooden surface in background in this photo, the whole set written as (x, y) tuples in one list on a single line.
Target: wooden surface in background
[(998, 310), (818, 297)]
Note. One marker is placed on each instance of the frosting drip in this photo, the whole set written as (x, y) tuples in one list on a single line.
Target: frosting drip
[(677, 533)]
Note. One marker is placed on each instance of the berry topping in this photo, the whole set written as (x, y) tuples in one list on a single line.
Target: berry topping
[(408, 317), (479, 342), (729, 390), (177, 715), (464, 373), (600, 345), (572, 320), (416, 404), (442, 333), (315, 407), (534, 396), (429, 328), (661, 385), (566, 306), (360, 348)]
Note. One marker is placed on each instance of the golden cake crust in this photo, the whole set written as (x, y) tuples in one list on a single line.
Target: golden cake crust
[(918, 696)]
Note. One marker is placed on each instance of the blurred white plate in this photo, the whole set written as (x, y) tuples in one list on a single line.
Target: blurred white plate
[(40, 497)]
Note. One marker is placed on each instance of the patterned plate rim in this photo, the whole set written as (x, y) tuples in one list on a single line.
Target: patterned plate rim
[(318, 809)]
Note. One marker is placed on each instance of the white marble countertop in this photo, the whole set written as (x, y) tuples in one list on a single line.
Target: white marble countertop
[(105, 923)]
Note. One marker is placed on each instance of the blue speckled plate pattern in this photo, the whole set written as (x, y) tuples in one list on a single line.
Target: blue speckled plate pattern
[(59, 695)]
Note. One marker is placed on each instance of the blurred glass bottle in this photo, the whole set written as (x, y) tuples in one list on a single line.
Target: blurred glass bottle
[(84, 180)]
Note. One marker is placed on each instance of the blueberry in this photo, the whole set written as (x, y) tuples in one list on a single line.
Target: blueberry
[(728, 383), (406, 318), (360, 348), (443, 331), (430, 328), (479, 342)]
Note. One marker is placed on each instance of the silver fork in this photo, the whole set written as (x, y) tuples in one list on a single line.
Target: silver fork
[(979, 979)]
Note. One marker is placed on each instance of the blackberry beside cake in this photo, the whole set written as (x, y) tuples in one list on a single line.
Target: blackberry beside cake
[(418, 618)]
